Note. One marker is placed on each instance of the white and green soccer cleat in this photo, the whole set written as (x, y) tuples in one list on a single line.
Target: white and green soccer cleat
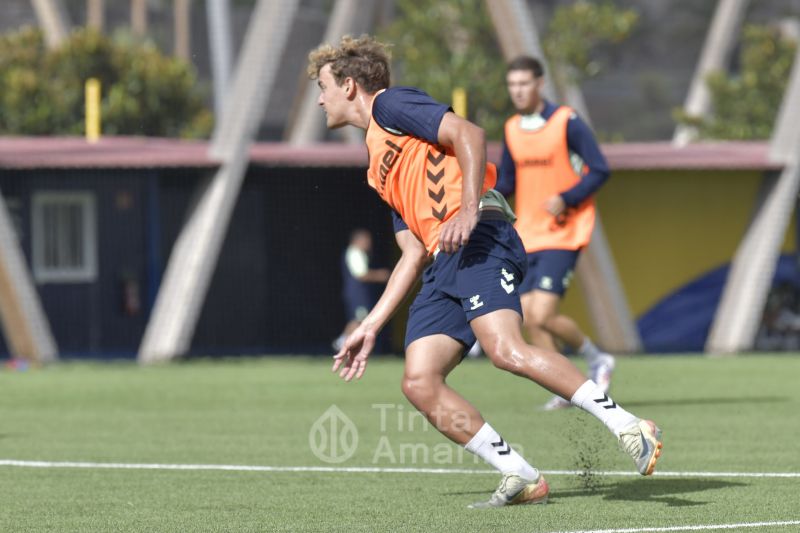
[(641, 441), (515, 490)]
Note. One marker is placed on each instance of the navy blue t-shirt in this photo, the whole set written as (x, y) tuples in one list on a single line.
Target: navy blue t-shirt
[(409, 111)]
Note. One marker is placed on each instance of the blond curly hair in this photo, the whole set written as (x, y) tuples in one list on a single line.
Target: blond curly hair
[(364, 59)]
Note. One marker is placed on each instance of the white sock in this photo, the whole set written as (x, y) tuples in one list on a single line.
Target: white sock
[(490, 447), (594, 401), (589, 350)]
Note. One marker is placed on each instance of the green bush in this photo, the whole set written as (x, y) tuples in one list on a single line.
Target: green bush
[(443, 44), (578, 32), (745, 105), (143, 91)]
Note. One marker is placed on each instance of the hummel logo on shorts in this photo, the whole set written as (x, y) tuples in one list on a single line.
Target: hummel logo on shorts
[(475, 301), (506, 280)]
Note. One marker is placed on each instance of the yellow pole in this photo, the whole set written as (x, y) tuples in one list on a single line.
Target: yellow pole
[(460, 102), (92, 110)]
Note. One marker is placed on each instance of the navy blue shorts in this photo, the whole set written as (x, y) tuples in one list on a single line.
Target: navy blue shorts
[(482, 277), (550, 271)]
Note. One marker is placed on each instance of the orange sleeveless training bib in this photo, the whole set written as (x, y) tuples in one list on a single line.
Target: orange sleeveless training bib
[(418, 179), (543, 169)]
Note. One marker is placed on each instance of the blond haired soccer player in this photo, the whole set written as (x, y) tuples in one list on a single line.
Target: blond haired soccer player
[(430, 167), (553, 166)]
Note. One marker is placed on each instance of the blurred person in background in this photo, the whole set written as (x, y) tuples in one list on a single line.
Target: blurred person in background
[(780, 323), (553, 166), (429, 165), (358, 282)]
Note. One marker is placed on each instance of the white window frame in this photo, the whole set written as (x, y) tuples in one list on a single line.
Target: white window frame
[(87, 272)]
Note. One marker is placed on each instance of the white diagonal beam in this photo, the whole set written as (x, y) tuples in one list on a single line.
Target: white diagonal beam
[(25, 326), (139, 17), (218, 18), (738, 315), (786, 135), (194, 256), (53, 19), (739, 312), (182, 28), (516, 31), (95, 14), (719, 44), (348, 17)]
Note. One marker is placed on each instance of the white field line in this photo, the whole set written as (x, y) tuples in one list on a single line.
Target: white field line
[(403, 470), (367, 469), (706, 527)]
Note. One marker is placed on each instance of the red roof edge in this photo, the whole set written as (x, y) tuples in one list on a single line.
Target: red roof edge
[(148, 152)]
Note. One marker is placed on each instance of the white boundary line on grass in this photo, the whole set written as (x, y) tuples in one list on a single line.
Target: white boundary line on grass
[(403, 470), (367, 469), (691, 528)]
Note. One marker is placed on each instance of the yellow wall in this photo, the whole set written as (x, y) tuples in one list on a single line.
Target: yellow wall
[(665, 229), (668, 228)]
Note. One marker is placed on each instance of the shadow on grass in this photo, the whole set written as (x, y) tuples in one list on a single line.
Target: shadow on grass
[(666, 491), (704, 401), (485, 492)]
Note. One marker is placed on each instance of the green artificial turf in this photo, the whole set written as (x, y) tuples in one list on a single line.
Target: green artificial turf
[(736, 415)]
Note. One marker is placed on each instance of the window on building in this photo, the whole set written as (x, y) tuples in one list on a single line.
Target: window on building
[(64, 237)]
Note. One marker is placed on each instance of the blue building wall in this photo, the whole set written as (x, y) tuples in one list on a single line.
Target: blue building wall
[(277, 285)]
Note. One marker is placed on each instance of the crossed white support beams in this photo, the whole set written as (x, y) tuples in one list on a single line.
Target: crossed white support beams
[(604, 294), (738, 316), (194, 257)]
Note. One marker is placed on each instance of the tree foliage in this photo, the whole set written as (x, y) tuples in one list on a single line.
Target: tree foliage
[(144, 92), (745, 105), (442, 45), (576, 32)]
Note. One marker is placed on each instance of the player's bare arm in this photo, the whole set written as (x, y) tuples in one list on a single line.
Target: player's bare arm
[(376, 275), (352, 358), (468, 141)]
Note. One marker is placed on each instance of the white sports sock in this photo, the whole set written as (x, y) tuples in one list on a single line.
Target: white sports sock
[(593, 400), (490, 447), (589, 350)]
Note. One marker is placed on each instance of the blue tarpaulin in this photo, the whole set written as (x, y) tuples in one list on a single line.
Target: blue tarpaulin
[(681, 321)]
